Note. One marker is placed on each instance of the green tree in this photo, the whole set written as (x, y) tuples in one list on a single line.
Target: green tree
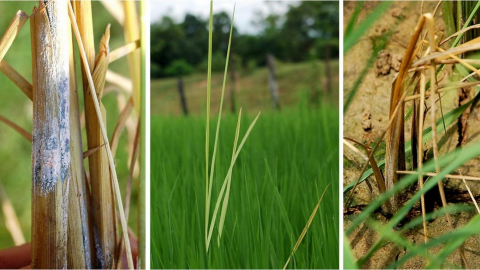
[(307, 23)]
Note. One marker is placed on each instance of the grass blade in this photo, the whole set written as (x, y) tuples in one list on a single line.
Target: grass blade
[(364, 26), (212, 169), (447, 7), (208, 195), (306, 227), (229, 174), (348, 257), (229, 180), (353, 18), (467, 22)]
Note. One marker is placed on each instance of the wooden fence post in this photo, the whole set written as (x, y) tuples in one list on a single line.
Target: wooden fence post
[(272, 82), (328, 68), (181, 92)]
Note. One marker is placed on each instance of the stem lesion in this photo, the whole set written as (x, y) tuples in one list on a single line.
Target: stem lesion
[(51, 135)]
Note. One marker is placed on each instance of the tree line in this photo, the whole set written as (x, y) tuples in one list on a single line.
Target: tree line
[(306, 31)]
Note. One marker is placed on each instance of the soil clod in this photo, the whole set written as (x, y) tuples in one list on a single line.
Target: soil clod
[(367, 122)]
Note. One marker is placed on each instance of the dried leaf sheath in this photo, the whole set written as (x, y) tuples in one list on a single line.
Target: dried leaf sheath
[(101, 188), (80, 223), (101, 184), (51, 134), (395, 140), (83, 12)]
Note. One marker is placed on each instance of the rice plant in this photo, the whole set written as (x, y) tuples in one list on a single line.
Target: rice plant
[(276, 204), (78, 216), (410, 193)]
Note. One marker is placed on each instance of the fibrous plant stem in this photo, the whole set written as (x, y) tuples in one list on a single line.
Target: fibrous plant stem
[(101, 185), (94, 98), (51, 134), (80, 224), (395, 141)]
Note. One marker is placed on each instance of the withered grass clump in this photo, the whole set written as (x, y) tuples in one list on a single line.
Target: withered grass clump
[(421, 82), (78, 218)]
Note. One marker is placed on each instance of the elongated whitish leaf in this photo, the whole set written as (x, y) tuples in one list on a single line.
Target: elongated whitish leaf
[(229, 174)]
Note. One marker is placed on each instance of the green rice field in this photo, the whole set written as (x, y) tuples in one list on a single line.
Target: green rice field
[(285, 165)]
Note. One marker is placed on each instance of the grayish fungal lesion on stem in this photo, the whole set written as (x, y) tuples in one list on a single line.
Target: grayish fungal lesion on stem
[(49, 25)]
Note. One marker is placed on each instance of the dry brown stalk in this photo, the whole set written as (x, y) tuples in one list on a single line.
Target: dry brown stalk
[(471, 195), (376, 171), (81, 242), (449, 176), (444, 54), (12, 32), (17, 79), (50, 148), (17, 128), (395, 140), (89, 152), (97, 107), (444, 88), (120, 81), (123, 51), (420, 119), (132, 34), (83, 13), (458, 33), (433, 85), (101, 186), (5, 43), (133, 161), (120, 125)]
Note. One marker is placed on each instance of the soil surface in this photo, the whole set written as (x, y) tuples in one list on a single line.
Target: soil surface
[(367, 117)]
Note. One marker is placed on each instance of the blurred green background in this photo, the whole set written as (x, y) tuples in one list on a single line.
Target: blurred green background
[(15, 151)]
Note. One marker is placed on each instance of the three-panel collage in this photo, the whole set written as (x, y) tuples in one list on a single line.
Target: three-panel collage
[(223, 134)]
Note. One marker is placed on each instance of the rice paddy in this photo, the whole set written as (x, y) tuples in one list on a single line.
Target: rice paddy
[(288, 160)]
